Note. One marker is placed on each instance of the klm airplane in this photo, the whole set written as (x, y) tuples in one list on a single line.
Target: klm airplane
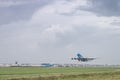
[(82, 59)]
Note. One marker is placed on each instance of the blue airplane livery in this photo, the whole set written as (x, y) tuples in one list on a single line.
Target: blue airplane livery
[(82, 59)]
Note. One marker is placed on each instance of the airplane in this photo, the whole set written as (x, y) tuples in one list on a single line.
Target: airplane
[(46, 65), (82, 59)]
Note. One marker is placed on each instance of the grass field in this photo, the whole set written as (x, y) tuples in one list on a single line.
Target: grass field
[(37, 73)]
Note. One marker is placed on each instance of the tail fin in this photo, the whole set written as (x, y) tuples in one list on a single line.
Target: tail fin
[(79, 55)]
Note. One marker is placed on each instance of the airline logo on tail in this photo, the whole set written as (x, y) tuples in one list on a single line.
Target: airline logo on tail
[(81, 58)]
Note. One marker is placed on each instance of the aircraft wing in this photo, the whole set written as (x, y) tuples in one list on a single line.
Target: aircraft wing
[(83, 59), (90, 59), (75, 58)]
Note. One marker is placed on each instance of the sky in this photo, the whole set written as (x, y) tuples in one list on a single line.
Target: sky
[(54, 31)]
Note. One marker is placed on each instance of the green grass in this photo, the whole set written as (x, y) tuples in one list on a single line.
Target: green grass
[(37, 73)]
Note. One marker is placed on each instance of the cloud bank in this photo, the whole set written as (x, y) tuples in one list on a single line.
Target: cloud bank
[(53, 31)]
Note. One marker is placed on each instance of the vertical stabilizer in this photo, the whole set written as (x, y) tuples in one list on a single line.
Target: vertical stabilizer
[(79, 55)]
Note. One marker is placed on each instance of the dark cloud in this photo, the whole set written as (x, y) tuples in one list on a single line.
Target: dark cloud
[(105, 7), (21, 11)]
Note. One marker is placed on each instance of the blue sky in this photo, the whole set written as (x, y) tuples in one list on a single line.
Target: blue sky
[(55, 30)]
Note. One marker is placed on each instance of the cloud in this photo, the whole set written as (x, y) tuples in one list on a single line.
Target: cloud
[(98, 7), (12, 10), (8, 3), (51, 34), (105, 7)]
